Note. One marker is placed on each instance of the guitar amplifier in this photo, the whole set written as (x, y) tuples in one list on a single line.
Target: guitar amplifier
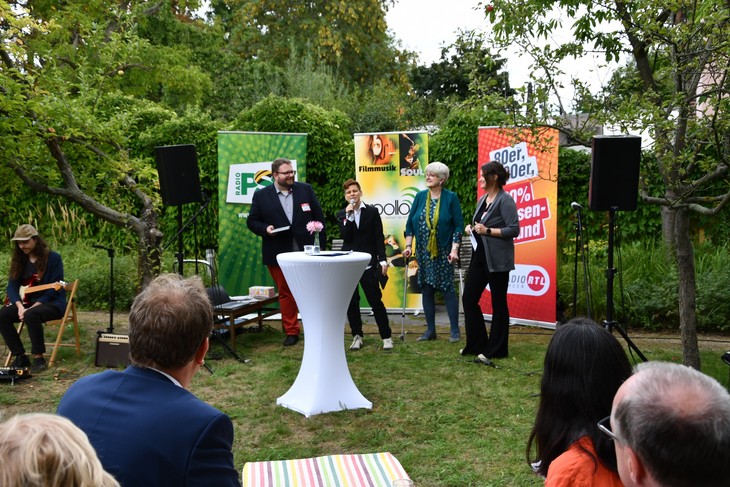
[(112, 350)]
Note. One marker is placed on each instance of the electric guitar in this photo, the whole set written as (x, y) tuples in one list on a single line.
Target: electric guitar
[(30, 288)]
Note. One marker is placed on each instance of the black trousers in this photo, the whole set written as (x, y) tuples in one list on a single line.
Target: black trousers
[(371, 288), (34, 319), (477, 339)]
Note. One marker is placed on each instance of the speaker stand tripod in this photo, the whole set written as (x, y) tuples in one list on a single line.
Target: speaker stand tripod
[(610, 324), (110, 253), (215, 335), (179, 256)]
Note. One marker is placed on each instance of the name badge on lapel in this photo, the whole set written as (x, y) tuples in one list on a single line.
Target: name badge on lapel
[(305, 207)]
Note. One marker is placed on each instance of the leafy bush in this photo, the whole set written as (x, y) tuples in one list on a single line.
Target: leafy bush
[(329, 144), (645, 286), (456, 145), (713, 281)]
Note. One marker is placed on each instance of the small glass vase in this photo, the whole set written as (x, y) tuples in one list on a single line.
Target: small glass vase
[(316, 242)]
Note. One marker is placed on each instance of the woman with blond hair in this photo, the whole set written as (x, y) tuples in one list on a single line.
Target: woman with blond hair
[(45, 450), (435, 221)]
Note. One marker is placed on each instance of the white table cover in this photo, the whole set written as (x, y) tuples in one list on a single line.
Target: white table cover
[(322, 285)]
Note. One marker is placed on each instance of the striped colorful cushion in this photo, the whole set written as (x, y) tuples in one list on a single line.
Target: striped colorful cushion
[(368, 470)]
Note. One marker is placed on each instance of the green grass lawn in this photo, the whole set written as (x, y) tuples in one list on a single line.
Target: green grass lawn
[(449, 421)]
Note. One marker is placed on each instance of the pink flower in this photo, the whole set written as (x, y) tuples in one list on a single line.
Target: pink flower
[(314, 226)]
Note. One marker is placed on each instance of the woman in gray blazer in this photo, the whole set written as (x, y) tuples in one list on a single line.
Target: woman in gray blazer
[(494, 226)]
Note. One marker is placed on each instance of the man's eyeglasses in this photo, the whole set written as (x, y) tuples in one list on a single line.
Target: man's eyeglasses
[(605, 426), (287, 173)]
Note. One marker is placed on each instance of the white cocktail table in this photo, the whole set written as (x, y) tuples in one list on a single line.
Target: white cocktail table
[(322, 285)]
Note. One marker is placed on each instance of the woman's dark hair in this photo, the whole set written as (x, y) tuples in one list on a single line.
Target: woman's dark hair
[(19, 259), (584, 367), (494, 167)]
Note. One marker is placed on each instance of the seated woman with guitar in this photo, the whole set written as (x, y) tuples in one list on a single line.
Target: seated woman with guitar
[(35, 295)]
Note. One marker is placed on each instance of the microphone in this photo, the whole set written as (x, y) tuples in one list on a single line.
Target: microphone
[(352, 202), (101, 247), (576, 206)]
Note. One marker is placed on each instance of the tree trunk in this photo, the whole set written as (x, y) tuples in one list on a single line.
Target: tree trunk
[(150, 239), (687, 289), (668, 216), (144, 226)]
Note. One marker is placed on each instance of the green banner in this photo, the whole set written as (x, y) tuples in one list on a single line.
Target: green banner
[(244, 165)]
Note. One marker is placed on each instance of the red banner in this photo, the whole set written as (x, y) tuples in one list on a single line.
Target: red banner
[(531, 157)]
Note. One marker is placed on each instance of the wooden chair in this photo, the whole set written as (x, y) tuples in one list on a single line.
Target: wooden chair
[(69, 316)]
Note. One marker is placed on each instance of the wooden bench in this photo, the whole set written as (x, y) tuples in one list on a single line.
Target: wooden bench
[(232, 319)]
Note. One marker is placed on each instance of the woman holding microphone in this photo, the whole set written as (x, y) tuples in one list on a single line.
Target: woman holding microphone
[(494, 227)]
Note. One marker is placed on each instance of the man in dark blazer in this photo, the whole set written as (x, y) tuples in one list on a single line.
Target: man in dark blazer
[(279, 214), (144, 424), (362, 230)]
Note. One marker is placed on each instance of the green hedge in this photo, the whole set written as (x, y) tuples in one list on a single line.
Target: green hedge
[(645, 286)]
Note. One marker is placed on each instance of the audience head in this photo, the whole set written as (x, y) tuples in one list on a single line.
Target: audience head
[(45, 450), (584, 367), (672, 428), (440, 170), (169, 321), (495, 173)]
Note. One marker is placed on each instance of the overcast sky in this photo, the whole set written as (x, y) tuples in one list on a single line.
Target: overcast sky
[(425, 26)]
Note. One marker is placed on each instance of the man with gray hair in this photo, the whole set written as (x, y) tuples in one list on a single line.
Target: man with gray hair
[(671, 428)]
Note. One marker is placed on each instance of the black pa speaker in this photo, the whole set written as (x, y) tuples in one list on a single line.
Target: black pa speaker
[(177, 166), (614, 180)]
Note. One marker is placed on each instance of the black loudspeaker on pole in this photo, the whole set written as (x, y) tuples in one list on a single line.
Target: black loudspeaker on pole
[(614, 182), (177, 166), (614, 186)]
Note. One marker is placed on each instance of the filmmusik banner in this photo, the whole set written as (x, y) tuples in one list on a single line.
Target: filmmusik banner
[(244, 165), (531, 158), (390, 168)]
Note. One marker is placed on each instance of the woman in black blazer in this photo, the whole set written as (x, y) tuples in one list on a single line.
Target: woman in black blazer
[(494, 227)]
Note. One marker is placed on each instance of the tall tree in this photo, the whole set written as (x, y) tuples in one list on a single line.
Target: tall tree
[(68, 109), (463, 66), (349, 36), (467, 70), (681, 53)]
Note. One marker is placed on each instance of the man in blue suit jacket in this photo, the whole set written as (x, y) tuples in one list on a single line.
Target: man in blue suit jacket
[(279, 214), (146, 427)]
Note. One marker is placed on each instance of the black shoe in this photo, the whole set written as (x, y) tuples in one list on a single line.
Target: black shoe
[(21, 362), (481, 359), (39, 365), (291, 340)]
